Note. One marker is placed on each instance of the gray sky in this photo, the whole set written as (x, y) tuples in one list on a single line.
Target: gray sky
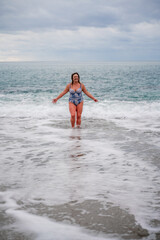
[(80, 30)]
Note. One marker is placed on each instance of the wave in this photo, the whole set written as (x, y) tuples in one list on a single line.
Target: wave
[(139, 115)]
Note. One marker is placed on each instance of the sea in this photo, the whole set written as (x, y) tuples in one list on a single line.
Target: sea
[(99, 181)]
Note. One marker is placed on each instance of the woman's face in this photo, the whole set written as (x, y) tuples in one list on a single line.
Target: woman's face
[(75, 78)]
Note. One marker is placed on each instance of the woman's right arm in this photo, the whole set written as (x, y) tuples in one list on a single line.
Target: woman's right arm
[(61, 94)]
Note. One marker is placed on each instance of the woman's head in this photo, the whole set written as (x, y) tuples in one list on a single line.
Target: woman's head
[(75, 77)]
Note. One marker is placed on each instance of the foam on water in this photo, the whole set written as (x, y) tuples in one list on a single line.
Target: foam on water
[(90, 164), (40, 227), (140, 115), (132, 115)]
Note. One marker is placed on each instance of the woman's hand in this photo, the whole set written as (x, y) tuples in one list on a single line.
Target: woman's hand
[(95, 100), (54, 100)]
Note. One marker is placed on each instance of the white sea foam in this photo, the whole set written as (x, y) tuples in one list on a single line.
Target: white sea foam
[(43, 158), (41, 227), (83, 169), (133, 115)]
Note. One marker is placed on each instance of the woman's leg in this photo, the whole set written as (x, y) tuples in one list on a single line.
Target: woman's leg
[(72, 109), (79, 113)]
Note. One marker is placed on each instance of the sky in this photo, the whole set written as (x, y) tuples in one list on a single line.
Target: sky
[(79, 30)]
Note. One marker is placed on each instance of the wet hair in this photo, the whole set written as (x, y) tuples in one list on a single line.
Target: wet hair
[(73, 75)]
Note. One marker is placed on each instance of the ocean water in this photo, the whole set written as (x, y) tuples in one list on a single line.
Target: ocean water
[(100, 181)]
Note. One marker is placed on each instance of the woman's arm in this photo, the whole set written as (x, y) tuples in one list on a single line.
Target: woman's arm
[(61, 94), (87, 93)]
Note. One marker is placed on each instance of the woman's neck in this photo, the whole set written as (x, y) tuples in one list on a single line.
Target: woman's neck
[(76, 84)]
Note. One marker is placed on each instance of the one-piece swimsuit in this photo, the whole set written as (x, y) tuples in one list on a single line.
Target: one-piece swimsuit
[(75, 96)]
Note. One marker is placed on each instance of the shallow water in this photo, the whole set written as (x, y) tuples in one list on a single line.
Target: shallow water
[(101, 181)]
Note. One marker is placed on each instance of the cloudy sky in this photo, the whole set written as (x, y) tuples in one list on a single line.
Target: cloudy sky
[(85, 30)]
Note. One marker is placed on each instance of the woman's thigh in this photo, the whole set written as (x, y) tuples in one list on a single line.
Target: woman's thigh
[(79, 108), (72, 108)]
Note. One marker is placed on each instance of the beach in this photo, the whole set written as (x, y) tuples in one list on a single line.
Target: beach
[(100, 181)]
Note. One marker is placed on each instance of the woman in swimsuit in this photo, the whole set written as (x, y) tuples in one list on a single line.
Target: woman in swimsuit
[(75, 99)]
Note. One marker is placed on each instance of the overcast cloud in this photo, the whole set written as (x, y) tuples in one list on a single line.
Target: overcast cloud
[(85, 30)]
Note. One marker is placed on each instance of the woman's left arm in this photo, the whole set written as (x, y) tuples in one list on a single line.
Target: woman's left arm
[(88, 93)]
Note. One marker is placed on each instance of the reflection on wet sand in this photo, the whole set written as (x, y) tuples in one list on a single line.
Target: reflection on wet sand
[(76, 147)]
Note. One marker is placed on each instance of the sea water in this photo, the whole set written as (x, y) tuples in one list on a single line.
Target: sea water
[(100, 181)]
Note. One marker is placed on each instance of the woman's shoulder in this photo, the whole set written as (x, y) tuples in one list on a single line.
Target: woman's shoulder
[(82, 85), (68, 85)]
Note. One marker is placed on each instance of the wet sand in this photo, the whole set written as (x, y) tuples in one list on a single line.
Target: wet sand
[(96, 216), (91, 215)]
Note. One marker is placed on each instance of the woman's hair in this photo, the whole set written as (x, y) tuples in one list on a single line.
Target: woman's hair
[(73, 75)]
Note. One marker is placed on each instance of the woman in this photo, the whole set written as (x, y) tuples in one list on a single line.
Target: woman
[(75, 100)]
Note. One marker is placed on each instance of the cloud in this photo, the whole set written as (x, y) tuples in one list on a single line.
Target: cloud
[(33, 14), (147, 30), (86, 29)]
